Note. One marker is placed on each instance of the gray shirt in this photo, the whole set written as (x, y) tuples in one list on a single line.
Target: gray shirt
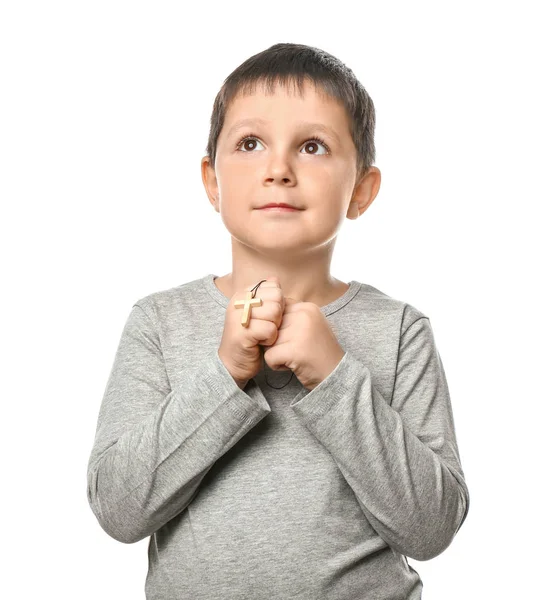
[(267, 493)]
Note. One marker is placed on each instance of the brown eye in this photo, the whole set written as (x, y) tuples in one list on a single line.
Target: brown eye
[(308, 145), (315, 142), (249, 144)]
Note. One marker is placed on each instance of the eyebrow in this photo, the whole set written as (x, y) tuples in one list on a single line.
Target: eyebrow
[(258, 121)]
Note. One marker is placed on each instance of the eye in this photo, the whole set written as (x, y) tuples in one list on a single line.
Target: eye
[(247, 144), (248, 138), (314, 142)]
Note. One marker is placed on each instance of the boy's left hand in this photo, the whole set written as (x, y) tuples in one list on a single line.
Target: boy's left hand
[(305, 344)]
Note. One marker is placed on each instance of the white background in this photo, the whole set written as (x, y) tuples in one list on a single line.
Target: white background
[(105, 110)]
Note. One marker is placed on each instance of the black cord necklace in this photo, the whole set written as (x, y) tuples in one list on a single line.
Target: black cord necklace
[(253, 292)]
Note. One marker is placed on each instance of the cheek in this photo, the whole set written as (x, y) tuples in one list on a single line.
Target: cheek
[(332, 189), (332, 173), (339, 183), (231, 173), (236, 169), (231, 208), (236, 208)]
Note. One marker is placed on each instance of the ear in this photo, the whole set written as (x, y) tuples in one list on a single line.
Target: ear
[(365, 192), (210, 182)]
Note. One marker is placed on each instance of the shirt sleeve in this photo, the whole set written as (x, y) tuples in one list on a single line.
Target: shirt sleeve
[(153, 444), (400, 457)]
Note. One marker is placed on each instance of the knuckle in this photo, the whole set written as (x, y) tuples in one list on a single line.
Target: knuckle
[(270, 327), (276, 306)]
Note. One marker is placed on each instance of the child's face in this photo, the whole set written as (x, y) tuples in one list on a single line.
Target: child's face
[(281, 163)]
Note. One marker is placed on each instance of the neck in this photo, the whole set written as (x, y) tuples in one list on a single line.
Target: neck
[(304, 278)]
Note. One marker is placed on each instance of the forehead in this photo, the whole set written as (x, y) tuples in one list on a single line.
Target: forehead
[(285, 106)]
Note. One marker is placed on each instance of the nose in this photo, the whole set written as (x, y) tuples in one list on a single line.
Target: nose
[(279, 169)]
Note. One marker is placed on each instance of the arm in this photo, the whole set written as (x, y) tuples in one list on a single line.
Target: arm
[(400, 458), (154, 445)]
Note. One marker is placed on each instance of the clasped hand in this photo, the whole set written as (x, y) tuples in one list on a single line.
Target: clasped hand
[(306, 344)]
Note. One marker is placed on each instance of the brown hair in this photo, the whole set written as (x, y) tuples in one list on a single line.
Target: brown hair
[(294, 63)]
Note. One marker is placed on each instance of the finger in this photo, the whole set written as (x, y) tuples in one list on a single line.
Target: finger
[(290, 306), (272, 279), (269, 294)]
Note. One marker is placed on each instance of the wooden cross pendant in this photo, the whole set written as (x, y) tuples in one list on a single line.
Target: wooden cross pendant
[(247, 304)]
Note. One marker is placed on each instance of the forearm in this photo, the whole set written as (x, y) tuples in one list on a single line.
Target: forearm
[(152, 471), (409, 493)]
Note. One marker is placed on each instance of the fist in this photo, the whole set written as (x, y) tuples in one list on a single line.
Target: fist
[(240, 347)]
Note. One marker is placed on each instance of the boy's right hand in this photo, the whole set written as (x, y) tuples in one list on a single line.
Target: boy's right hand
[(240, 346)]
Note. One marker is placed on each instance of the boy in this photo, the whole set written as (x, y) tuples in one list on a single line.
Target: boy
[(252, 484)]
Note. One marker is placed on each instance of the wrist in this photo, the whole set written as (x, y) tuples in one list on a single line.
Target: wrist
[(241, 382)]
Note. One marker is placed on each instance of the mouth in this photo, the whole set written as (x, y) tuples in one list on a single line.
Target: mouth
[(279, 207)]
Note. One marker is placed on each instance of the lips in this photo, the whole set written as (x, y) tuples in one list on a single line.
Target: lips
[(279, 205)]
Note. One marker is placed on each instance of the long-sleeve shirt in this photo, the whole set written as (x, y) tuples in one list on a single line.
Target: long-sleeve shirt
[(264, 493)]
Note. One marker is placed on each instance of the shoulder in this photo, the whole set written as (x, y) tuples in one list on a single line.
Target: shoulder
[(166, 301), (390, 308)]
